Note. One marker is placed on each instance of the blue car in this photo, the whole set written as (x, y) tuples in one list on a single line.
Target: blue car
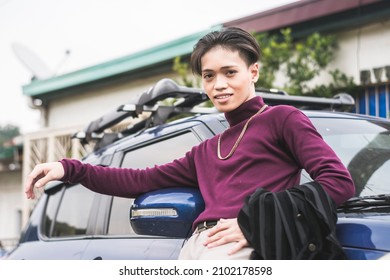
[(72, 222)]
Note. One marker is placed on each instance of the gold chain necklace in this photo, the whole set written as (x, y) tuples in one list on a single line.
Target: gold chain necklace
[(239, 137)]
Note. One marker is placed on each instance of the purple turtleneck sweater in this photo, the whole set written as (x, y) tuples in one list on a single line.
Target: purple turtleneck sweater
[(277, 145)]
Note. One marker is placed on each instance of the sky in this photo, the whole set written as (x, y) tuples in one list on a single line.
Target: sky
[(68, 35)]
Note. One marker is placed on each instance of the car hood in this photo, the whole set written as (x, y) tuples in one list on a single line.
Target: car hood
[(368, 231)]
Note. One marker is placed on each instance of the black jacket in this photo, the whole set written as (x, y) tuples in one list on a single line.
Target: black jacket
[(298, 223)]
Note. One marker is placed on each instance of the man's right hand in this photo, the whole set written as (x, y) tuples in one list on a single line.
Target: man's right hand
[(41, 175)]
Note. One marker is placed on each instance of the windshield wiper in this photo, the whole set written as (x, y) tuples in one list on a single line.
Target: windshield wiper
[(366, 201)]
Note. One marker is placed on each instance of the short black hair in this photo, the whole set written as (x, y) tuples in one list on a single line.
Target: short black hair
[(232, 38)]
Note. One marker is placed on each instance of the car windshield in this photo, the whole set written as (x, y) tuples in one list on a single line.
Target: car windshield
[(364, 147)]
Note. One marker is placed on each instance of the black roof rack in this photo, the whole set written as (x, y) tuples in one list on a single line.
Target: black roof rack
[(342, 102), (186, 100), (149, 101)]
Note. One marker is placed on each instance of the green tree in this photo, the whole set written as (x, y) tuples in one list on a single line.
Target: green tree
[(300, 62), (183, 70), (186, 77), (275, 52)]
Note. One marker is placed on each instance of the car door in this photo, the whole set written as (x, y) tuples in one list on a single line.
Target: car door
[(58, 228)]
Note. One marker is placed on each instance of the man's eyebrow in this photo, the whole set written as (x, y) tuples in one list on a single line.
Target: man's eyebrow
[(222, 68)]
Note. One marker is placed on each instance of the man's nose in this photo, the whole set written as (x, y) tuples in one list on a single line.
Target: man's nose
[(220, 82)]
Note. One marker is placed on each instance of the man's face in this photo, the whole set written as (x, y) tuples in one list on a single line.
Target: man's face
[(226, 78)]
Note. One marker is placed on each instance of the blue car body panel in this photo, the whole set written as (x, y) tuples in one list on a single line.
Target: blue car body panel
[(366, 237)]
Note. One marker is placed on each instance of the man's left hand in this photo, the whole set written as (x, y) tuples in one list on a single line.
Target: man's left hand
[(226, 231)]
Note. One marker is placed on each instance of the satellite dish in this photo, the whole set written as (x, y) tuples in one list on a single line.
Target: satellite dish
[(36, 66)]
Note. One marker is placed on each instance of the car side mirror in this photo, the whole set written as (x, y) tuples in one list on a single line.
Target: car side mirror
[(167, 212)]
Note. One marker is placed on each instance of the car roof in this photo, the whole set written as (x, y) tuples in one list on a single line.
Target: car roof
[(341, 115)]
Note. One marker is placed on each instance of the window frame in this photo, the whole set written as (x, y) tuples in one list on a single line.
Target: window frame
[(62, 189)]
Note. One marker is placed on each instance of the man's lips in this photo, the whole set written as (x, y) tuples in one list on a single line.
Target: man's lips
[(222, 96)]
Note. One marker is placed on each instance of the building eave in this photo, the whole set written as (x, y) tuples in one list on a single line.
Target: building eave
[(117, 67)]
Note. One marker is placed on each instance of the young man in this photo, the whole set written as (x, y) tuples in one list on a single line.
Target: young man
[(265, 147)]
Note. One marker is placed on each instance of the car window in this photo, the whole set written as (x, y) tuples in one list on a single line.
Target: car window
[(364, 148), (119, 216), (147, 156), (160, 152), (51, 210), (71, 218)]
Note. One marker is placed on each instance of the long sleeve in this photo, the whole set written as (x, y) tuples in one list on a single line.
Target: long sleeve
[(126, 182), (317, 157)]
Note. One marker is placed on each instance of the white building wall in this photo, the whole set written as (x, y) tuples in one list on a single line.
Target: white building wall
[(11, 201), (86, 107), (363, 48)]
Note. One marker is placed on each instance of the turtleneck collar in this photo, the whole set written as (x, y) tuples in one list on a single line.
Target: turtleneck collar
[(244, 111)]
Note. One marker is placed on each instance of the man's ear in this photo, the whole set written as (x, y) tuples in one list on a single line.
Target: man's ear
[(254, 69)]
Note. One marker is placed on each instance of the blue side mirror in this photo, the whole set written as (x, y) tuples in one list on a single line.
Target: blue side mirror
[(166, 212)]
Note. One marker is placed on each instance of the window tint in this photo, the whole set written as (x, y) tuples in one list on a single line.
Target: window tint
[(120, 214), (364, 148), (51, 210), (73, 213), (147, 156), (161, 152)]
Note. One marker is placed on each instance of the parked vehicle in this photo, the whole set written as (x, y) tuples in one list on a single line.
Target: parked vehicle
[(72, 222)]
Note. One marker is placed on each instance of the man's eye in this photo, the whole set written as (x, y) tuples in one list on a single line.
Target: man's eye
[(207, 76), (231, 72)]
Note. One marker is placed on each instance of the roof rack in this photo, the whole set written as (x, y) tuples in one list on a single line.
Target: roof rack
[(149, 101), (186, 101), (342, 102)]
